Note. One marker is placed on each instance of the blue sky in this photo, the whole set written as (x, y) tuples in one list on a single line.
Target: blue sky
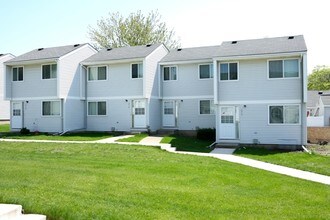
[(26, 25)]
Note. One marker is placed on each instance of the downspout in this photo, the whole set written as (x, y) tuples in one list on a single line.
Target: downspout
[(304, 101), (216, 98), (86, 104)]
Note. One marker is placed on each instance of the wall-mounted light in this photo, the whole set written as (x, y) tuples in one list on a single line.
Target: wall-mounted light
[(181, 100), (126, 100), (244, 106), (27, 101)]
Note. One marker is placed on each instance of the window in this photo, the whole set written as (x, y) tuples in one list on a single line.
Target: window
[(51, 108), (206, 107), (97, 108), (170, 73), (287, 114), (139, 107), (97, 73), (137, 70), (49, 71), (205, 71), (229, 71), (18, 74), (283, 68)]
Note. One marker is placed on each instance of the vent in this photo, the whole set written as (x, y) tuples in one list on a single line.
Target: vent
[(40, 49), (291, 37), (179, 49), (1, 54), (109, 49), (148, 45), (320, 92), (234, 42), (76, 45)]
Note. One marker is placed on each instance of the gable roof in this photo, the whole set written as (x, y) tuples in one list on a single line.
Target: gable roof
[(313, 97), (120, 53), (326, 99), (274, 45), (190, 54), (45, 53)]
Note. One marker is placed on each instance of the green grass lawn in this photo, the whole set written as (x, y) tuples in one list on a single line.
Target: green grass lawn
[(295, 159), (4, 128), (183, 143), (136, 138), (109, 181), (81, 136)]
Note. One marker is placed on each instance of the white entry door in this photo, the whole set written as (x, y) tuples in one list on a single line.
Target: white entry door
[(169, 110), (17, 115), (227, 122), (139, 114)]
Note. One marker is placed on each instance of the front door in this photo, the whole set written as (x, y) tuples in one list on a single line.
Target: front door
[(17, 115), (227, 122), (139, 114), (169, 111)]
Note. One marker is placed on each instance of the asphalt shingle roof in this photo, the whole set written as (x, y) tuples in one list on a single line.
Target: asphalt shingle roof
[(120, 53), (187, 54), (46, 53), (263, 46)]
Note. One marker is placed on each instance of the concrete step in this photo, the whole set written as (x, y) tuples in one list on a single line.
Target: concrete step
[(167, 131), (31, 217), (10, 211)]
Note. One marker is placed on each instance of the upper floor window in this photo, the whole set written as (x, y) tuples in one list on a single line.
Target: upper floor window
[(137, 70), (49, 71), (51, 108), (283, 68), (206, 71), (18, 74), (170, 73), (97, 108), (206, 107), (97, 73), (284, 114), (229, 71)]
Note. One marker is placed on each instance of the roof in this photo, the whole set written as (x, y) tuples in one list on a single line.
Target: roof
[(189, 54), (275, 45), (326, 99), (46, 53), (120, 53), (313, 97)]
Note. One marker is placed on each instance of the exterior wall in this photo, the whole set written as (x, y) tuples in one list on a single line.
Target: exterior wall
[(4, 105), (118, 117), (69, 71), (151, 76), (317, 134), (32, 86), (33, 119), (74, 113), (119, 83), (253, 84), (187, 83), (326, 115), (155, 118)]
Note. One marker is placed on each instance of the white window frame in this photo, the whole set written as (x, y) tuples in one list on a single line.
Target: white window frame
[(212, 106), (97, 80), (228, 80), (42, 112), (139, 77), (97, 115), (283, 105), (177, 73), (211, 71), (49, 64), (283, 77), (12, 75)]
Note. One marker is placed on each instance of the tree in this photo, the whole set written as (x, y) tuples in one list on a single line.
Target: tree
[(136, 29), (319, 79)]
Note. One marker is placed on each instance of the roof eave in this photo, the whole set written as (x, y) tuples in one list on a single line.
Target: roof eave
[(100, 62), (172, 62), (258, 56), (27, 62)]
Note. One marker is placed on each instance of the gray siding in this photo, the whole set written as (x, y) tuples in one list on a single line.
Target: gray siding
[(118, 84), (253, 84), (326, 116), (187, 83), (74, 113), (8, 85), (32, 85), (69, 71), (155, 114), (4, 105)]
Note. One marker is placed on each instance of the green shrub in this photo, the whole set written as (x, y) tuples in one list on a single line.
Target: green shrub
[(25, 131), (206, 134)]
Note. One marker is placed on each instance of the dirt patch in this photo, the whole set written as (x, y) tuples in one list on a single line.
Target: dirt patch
[(320, 149)]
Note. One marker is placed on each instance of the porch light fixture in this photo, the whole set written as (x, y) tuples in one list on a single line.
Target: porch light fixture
[(126, 100)]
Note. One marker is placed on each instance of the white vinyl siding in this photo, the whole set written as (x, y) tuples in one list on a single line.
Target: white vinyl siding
[(205, 71), (51, 108), (228, 71), (97, 73), (284, 114), (283, 68), (97, 108), (170, 73), (206, 107), (137, 70), (49, 71), (18, 74)]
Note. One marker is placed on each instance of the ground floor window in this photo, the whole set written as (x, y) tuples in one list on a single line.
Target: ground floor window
[(206, 107), (97, 108), (284, 114), (51, 108)]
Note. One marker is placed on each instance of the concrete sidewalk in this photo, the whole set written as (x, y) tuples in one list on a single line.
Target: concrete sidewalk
[(219, 153)]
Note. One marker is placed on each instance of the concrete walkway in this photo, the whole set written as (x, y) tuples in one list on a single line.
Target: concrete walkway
[(219, 153)]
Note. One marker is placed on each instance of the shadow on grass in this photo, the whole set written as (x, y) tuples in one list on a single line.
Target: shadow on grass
[(183, 143), (258, 151)]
